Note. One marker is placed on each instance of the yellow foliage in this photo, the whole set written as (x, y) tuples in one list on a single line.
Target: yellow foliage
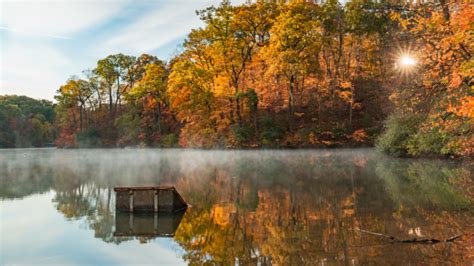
[(465, 109), (359, 135), (346, 84)]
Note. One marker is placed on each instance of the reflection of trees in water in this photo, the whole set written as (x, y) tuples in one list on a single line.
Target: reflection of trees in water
[(268, 207), (429, 183), (307, 209), (84, 189), (22, 175), (80, 197), (299, 212), (430, 203)]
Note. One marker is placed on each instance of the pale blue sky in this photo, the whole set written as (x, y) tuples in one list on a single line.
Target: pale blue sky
[(43, 43)]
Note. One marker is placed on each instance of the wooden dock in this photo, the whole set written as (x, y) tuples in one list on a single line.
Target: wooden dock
[(149, 199)]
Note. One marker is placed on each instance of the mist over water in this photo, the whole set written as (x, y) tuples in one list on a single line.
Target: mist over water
[(265, 206), (151, 166)]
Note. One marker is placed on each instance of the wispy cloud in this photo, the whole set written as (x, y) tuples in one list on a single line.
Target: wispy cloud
[(35, 71), (161, 25), (166, 22), (38, 34), (34, 59), (56, 18), (44, 42)]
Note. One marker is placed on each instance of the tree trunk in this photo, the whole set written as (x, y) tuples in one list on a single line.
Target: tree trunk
[(117, 95), (445, 7), (357, 74), (237, 101), (319, 110), (351, 105), (255, 122), (239, 115), (81, 108), (111, 101), (290, 100), (231, 115), (159, 119)]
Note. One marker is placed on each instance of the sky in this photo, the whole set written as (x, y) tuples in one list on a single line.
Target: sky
[(44, 43)]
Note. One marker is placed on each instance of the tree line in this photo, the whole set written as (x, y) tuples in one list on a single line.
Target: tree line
[(26, 122), (259, 74), (289, 74)]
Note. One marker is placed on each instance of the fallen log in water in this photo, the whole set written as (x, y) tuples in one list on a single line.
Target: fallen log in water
[(149, 199), (412, 240)]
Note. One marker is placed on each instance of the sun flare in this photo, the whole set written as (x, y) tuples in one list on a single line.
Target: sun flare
[(407, 61)]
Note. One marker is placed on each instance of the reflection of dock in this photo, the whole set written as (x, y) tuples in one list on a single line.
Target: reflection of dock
[(147, 224), (149, 199)]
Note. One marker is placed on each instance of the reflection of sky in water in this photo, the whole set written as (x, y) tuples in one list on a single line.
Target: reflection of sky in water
[(34, 232)]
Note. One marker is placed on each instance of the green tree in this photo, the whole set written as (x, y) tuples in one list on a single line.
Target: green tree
[(25, 122)]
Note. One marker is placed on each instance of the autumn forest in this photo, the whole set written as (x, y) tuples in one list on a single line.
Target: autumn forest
[(277, 74)]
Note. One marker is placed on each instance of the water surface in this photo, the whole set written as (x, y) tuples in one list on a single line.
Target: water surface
[(248, 207)]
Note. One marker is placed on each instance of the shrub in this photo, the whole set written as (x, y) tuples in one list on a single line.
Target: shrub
[(398, 131), (270, 131), (309, 135), (88, 138), (128, 126), (169, 141), (242, 134), (339, 131), (426, 143)]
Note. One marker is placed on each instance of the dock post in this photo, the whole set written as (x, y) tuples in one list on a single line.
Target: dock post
[(131, 200), (156, 201)]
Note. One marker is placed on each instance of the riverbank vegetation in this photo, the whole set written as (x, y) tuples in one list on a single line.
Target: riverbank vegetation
[(296, 74), (26, 122), (434, 103)]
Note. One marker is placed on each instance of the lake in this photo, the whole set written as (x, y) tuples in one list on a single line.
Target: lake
[(264, 207)]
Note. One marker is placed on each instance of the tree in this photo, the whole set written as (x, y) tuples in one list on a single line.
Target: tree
[(190, 89), (25, 122), (440, 88), (288, 74), (80, 91), (294, 46), (150, 96), (114, 71)]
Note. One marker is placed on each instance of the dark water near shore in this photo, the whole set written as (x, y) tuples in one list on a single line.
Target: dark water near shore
[(248, 207)]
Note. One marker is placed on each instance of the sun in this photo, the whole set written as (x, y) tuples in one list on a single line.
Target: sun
[(407, 61)]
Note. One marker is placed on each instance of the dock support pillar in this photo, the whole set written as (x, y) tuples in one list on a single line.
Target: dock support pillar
[(131, 200), (156, 201)]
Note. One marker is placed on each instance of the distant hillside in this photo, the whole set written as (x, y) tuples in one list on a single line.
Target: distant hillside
[(25, 122)]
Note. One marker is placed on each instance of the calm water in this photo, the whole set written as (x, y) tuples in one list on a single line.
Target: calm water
[(248, 207)]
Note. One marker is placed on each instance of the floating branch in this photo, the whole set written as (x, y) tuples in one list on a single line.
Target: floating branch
[(412, 240)]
